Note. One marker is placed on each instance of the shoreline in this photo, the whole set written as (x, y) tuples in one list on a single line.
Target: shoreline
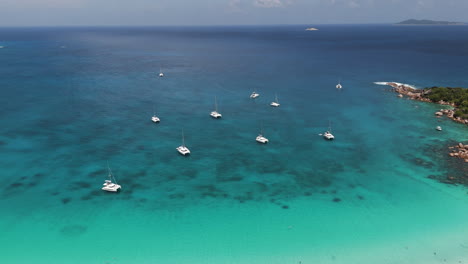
[(413, 93)]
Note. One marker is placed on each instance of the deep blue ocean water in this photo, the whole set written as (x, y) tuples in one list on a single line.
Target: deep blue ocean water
[(74, 99)]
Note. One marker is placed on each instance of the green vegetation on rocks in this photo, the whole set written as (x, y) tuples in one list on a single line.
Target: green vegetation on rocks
[(456, 96)]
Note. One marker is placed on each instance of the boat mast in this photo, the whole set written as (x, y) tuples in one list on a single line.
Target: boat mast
[(329, 126), (216, 104), (183, 138), (276, 97), (111, 177)]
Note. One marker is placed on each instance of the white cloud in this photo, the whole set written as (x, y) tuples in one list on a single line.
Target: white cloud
[(44, 3), (234, 5), (353, 4), (268, 3)]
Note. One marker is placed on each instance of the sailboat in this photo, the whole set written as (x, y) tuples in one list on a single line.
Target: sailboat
[(328, 135), (183, 149), (339, 86), (260, 138), (275, 103), (161, 74), (154, 118), (215, 113), (254, 95), (110, 185)]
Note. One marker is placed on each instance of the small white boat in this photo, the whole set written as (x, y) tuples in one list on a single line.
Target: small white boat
[(110, 185), (339, 86), (183, 149), (328, 135), (161, 74), (276, 102), (215, 113), (439, 128), (261, 139), (155, 119), (254, 95)]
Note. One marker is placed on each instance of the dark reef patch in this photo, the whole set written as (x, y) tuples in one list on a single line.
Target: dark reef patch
[(82, 185), (91, 195), (360, 197), (176, 196), (285, 207), (73, 230), (224, 178), (336, 200), (455, 171), (38, 176), (16, 185), (66, 200), (97, 173)]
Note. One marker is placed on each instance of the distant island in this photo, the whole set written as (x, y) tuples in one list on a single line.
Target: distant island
[(311, 29), (427, 22)]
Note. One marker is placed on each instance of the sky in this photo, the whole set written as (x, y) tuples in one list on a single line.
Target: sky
[(224, 12)]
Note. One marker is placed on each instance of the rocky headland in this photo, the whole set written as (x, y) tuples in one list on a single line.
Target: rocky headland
[(459, 151), (457, 113)]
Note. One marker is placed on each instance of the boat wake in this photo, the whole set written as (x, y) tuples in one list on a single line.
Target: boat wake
[(397, 84)]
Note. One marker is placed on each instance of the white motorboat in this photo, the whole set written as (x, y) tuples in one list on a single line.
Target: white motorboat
[(254, 95), (439, 128), (110, 185), (215, 113), (276, 102), (183, 149)]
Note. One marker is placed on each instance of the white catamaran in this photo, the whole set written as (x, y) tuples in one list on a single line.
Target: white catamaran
[(183, 149), (276, 102), (215, 113), (254, 95), (339, 86), (260, 138), (110, 185), (328, 135), (161, 74)]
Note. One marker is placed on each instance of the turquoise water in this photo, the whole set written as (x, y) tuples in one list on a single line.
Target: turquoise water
[(74, 99)]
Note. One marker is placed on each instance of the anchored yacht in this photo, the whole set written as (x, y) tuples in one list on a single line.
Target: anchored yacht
[(254, 95), (161, 74), (215, 113), (183, 149), (276, 102), (110, 185), (261, 139), (328, 135)]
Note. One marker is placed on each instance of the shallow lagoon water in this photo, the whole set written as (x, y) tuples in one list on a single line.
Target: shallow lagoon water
[(75, 98)]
